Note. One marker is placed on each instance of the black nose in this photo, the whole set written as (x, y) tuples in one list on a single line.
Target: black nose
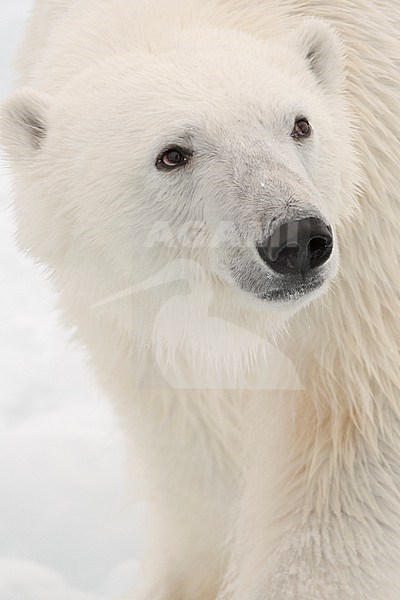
[(298, 246)]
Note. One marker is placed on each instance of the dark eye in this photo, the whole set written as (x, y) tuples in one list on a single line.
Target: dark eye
[(302, 128), (172, 158)]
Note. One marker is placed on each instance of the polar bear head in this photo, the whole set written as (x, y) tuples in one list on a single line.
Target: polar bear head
[(217, 147)]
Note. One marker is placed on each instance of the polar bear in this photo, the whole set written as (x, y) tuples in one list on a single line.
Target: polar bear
[(213, 188)]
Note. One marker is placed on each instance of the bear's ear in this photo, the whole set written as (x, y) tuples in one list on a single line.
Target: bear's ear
[(320, 46), (23, 123)]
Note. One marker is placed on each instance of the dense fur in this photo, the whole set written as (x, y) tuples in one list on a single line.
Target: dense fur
[(267, 433)]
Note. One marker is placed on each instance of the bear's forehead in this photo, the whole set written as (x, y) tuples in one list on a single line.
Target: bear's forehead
[(205, 64), (217, 90), (189, 109), (210, 103), (225, 71), (191, 85)]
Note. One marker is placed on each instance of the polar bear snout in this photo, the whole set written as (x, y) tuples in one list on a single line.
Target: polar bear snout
[(297, 247)]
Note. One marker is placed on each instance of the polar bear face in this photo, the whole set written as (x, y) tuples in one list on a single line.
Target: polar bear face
[(223, 149)]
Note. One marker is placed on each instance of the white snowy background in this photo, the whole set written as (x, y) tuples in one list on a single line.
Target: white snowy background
[(69, 529)]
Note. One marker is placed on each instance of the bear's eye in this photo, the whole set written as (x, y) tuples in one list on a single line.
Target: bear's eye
[(172, 158), (301, 129)]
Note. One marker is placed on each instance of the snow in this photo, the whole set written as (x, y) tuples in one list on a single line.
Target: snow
[(68, 527), (21, 580)]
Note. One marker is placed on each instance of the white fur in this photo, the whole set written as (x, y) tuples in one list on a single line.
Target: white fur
[(267, 434)]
